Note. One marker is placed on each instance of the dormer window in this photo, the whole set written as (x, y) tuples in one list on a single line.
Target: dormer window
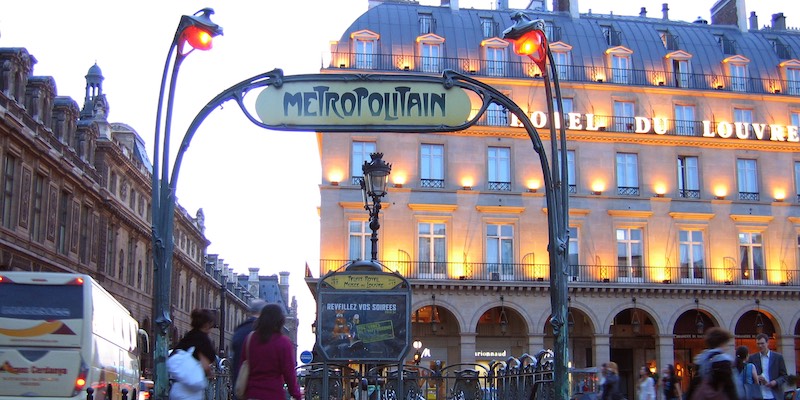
[(781, 50), (669, 40), (430, 50), (790, 71), (488, 27), (426, 23), (365, 44), (552, 32), (619, 58), (678, 70), (495, 56), (737, 72), (728, 46), (612, 37)]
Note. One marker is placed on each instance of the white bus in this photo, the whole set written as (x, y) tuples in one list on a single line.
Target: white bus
[(61, 334)]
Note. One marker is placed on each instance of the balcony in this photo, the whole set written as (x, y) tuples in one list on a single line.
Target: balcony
[(567, 73), (586, 274)]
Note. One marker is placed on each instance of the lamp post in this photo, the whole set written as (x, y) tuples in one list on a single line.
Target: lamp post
[(195, 32), (373, 187), (529, 40), (417, 353), (222, 291)]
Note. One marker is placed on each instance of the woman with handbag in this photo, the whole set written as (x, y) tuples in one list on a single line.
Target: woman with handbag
[(747, 376), (270, 359), (203, 321), (670, 384)]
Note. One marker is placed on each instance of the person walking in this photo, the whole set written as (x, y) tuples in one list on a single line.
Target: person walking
[(271, 358), (718, 383), (747, 377), (241, 332), (610, 387), (670, 384), (203, 321), (646, 385), (770, 367)]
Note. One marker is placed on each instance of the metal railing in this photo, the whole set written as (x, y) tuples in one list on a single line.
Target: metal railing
[(567, 73), (734, 274), (524, 378)]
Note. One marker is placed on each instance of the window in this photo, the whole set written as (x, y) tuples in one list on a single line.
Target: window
[(793, 81), (139, 275), (692, 254), (573, 254), (794, 117), (9, 172), (426, 23), (611, 36), (562, 62), (431, 165), (83, 241), (571, 172), (688, 177), (620, 67), (797, 179), (629, 252), (36, 208), (684, 120), (495, 60), (430, 57), (669, 40), (567, 107), (738, 77), (623, 116), (359, 236), (743, 115), (121, 265), (488, 27), (360, 154), (499, 168), (751, 256), (680, 68), (747, 179), (61, 228), (500, 251), (432, 247), (365, 52), (627, 174), (496, 115)]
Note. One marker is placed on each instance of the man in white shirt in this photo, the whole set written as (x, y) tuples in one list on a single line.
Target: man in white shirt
[(770, 367)]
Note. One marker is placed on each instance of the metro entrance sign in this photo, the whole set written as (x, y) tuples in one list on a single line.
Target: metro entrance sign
[(363, 314)]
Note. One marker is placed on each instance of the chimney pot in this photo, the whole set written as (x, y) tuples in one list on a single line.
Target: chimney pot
[(778, 22), (753, 20), (665, 10), (643, 12)]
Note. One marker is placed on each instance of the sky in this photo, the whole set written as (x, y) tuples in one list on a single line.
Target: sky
[(259, 189)]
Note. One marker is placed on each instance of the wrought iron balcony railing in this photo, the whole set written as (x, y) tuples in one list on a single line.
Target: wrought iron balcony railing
[(566, 73), (586, 273)]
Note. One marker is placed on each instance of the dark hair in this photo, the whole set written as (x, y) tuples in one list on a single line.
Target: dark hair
[(672, 377), (741, 357), (270, 321), (721, 379), (716, 337), (202, 316), (762, 336)]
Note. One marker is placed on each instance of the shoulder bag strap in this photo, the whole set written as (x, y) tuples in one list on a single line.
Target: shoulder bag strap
[(247, 345)]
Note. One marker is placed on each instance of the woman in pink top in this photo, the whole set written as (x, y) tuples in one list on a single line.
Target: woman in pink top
[(271, 358)]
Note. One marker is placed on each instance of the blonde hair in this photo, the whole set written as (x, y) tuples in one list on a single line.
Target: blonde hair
[(612, 366)]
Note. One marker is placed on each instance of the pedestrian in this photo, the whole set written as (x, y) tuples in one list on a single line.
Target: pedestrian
[(646, 386), (271, 357), (716, 340), (610, 387), (717, 383), (241, 332), (770, 367), (670, 384), (747, 377), (203, 320)]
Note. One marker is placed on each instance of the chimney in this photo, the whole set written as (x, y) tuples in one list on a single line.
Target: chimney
[(453, 4), (502, 5), (665, 11), (643, 12), (729, 12), (778, 22), (753, 20), (570, 6)]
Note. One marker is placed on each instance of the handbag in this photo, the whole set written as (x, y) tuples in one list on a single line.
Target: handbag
[(240, 387), (184, 368), (752, 390)]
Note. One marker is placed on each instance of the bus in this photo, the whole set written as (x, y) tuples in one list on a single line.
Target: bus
[(62, 333)]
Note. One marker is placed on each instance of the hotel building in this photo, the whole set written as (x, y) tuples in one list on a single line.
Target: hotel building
[(684, 184)]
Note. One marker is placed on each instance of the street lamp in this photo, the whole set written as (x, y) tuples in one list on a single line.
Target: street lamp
[(529, 40), (195, 32), (373, 186), (417, 353)]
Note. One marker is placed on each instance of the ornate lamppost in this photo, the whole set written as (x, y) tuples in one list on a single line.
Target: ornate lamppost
[(529, 40), (195, 32), (373, 187)]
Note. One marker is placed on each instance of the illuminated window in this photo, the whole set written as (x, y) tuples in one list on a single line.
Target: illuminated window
[(688, 177), (684, 120), (431, 161), (499, 168), (360, 154), (793, 80), (495, 60), (627, 174), (620, 68), (430, 57), (738, 75), (692, 254), (9, 173), (365, 52), (630, 252), (623, 116), (432, 247), (500, 251), (747, 179), (751, 256), (563, 64), (359, 235)]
